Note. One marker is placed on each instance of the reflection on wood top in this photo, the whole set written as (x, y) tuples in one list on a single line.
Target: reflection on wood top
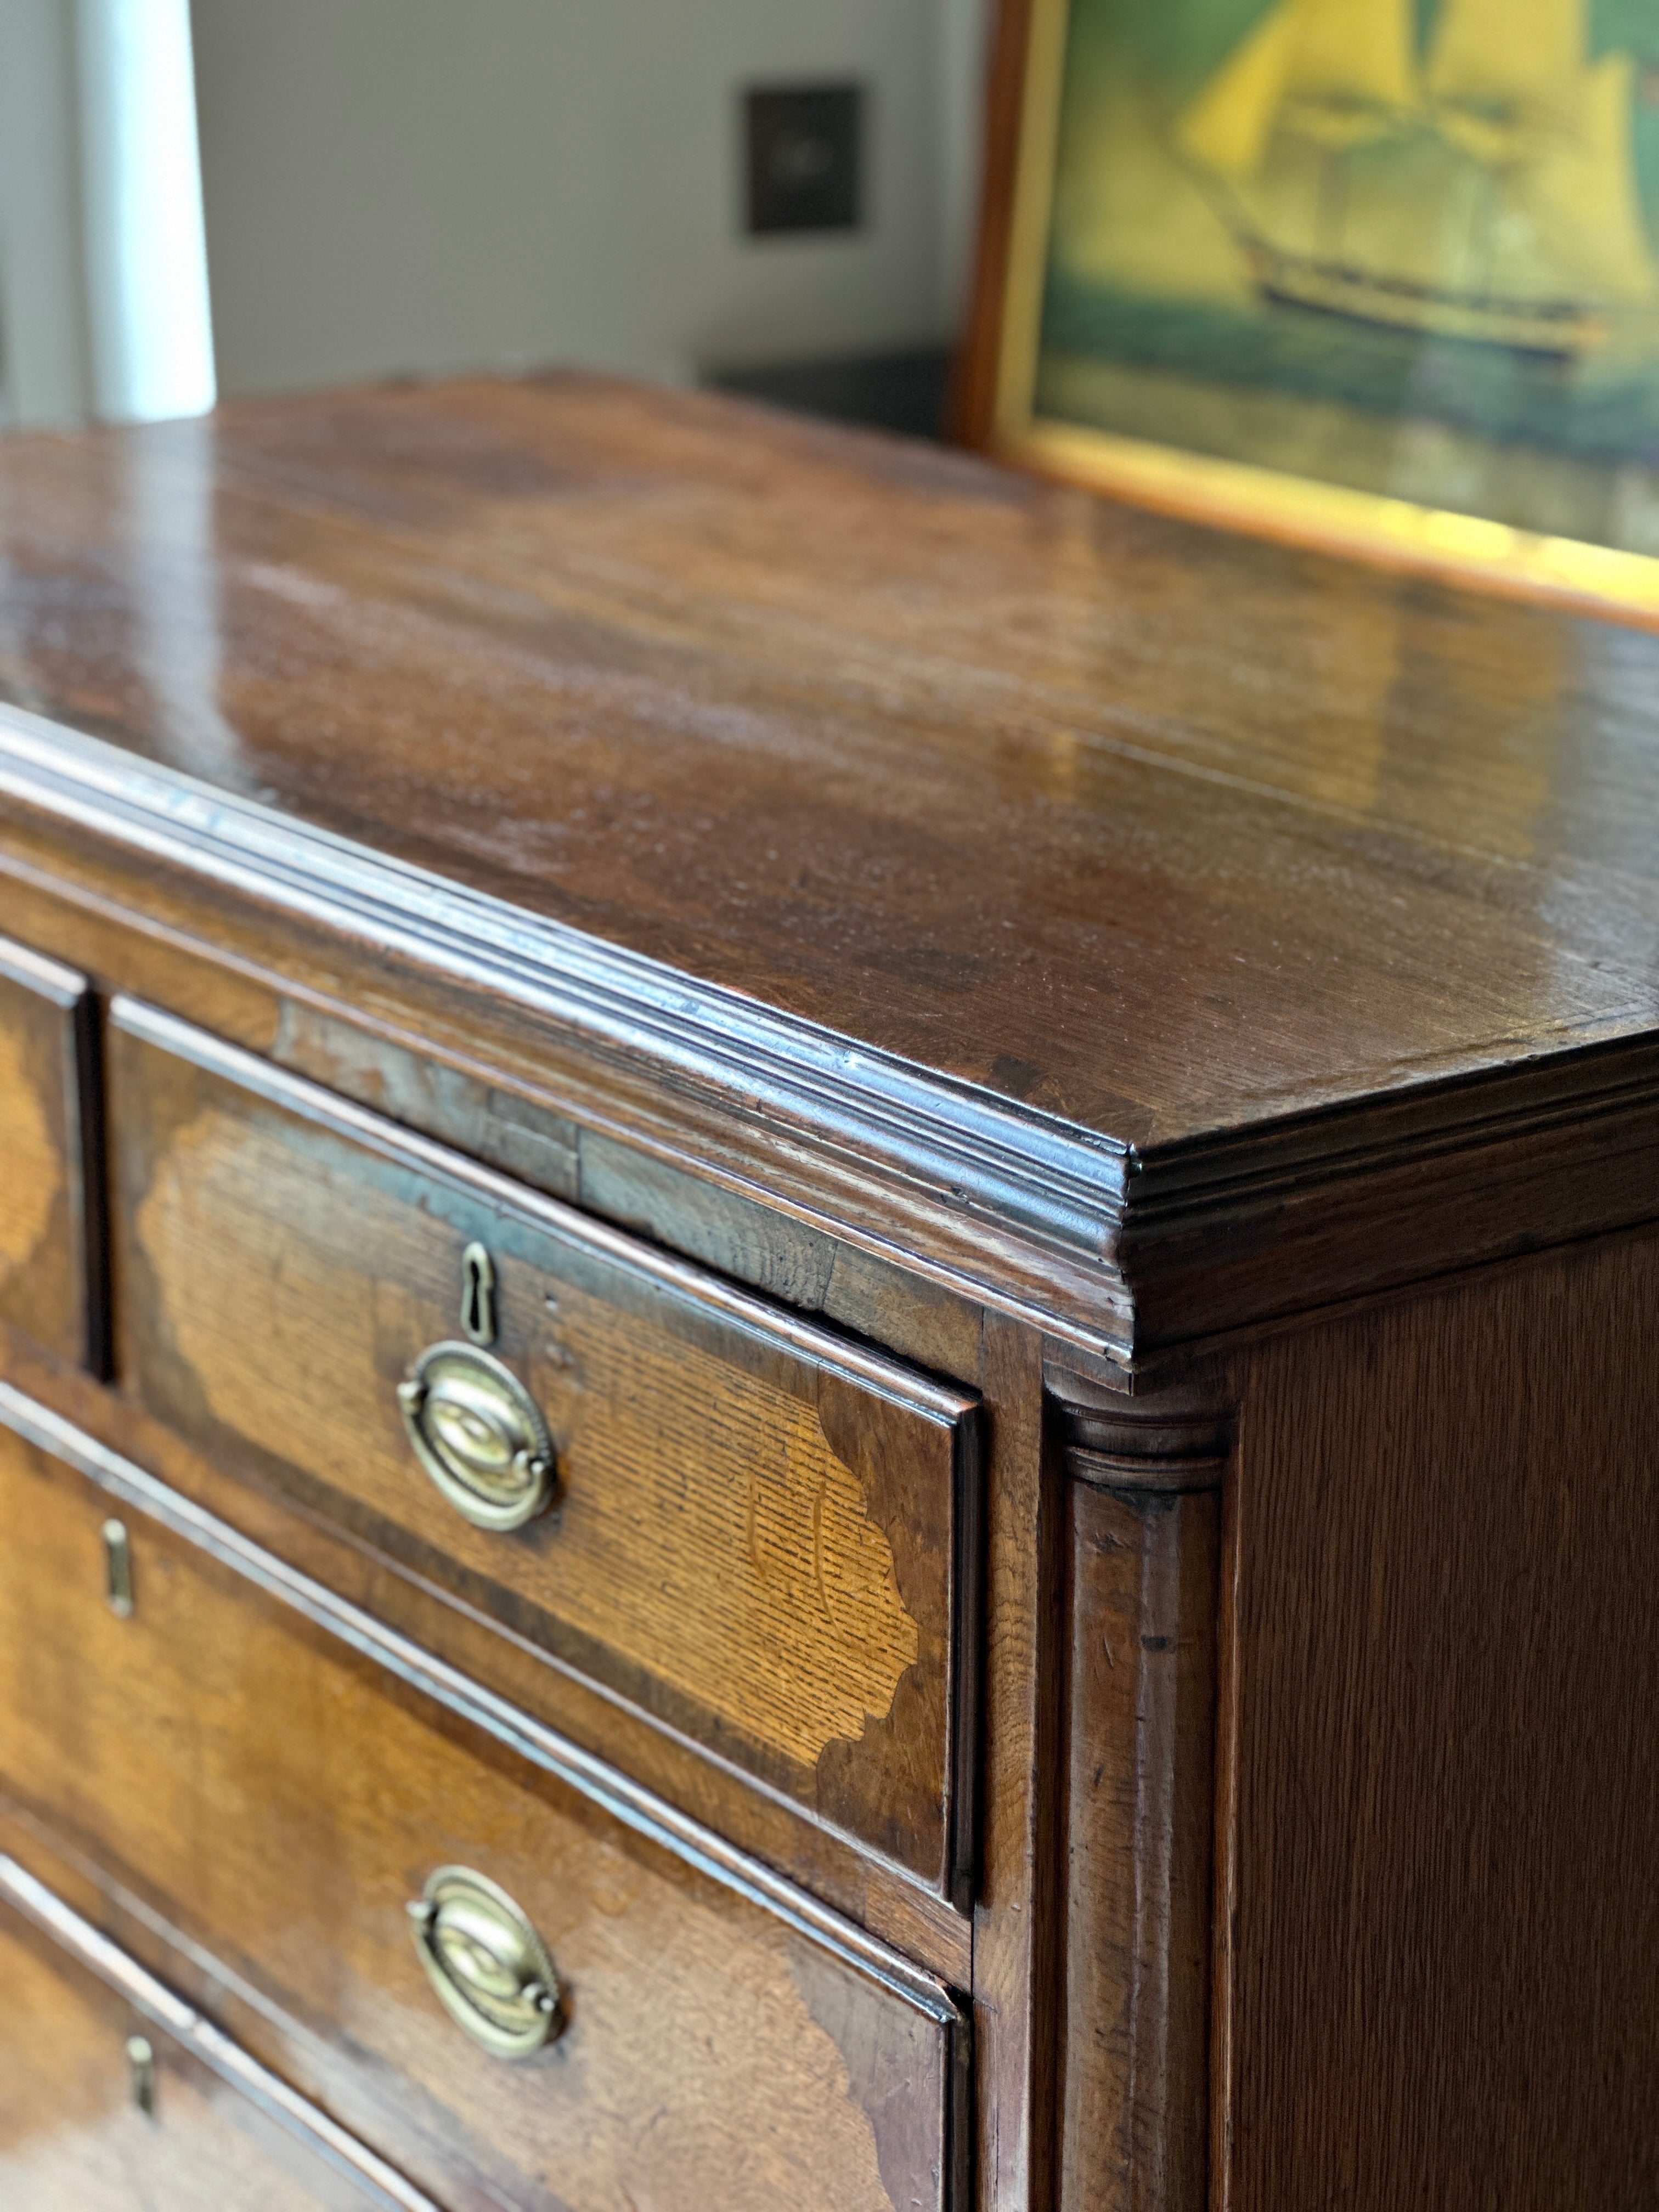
[(1160, 832)]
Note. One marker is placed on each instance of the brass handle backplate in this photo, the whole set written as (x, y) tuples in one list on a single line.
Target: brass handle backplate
[(479, 1434), (488, 1965)]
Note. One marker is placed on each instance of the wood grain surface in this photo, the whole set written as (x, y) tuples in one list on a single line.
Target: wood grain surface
[(276, 1800), (1017, 1934), (50, 1258), (90, 1426), (1143, 1629), (440, 1076), (1203, 890), (1158, 829), (73, 2138), (1444, 1917), (1047, 940), (749, 1541)]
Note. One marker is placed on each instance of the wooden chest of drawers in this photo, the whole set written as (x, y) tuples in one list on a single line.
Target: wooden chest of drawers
[(825, 1293)]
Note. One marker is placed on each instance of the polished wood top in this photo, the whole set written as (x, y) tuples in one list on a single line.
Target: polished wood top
[(1156, 828), (1148, 832)]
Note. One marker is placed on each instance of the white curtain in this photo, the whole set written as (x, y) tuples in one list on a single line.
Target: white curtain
[(103, 267)]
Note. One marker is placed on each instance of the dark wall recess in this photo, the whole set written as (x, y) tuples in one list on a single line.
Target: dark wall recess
[(804, 147)]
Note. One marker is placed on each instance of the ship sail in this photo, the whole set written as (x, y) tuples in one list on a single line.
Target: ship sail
[(1580, 194), (1352, 73), (1498, 199), (1338, 71), (1227, 128), (1504, 75)]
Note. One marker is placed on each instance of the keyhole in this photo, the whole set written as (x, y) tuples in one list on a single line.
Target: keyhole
[(142, 2059), (479, 1294), (118, 1569)]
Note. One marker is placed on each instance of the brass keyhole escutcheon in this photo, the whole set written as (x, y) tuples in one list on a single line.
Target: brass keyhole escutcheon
[(478, 1295), (488, 1965), (118, 1569), (140, 2061), (479, 1435)]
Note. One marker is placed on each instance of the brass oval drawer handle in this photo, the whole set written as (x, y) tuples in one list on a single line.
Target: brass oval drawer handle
[(487, 1963), (479, 1434)]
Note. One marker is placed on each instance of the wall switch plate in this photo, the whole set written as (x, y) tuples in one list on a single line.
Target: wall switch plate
[(805, 148)]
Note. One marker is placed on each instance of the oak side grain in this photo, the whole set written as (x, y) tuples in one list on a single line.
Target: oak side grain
[(1446, 1786), (1016, 1931), (1138, 1960)]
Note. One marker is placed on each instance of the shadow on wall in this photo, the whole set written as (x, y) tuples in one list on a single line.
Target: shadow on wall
[(903, 391)]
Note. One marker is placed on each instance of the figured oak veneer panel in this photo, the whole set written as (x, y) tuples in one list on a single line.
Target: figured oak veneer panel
[(276, 1798), (1443, 1911), (35, 1177), (49, 1280), (72, 2138), (757, 1531), (799, 1520)]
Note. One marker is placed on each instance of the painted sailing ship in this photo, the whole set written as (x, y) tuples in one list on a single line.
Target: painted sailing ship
[(1482, 188)]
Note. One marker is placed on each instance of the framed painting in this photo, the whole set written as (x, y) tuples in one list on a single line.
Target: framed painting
[(1378, 275)]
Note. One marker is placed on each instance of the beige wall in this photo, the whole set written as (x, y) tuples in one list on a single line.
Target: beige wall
[(46, 365), (426, 184)]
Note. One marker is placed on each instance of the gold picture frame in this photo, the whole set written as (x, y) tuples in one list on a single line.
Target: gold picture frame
[(1007, 375)]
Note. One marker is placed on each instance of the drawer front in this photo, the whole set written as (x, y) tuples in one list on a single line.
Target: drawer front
[(232, 1750), (49, 1234), (756, 1532), (103, 2110)]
